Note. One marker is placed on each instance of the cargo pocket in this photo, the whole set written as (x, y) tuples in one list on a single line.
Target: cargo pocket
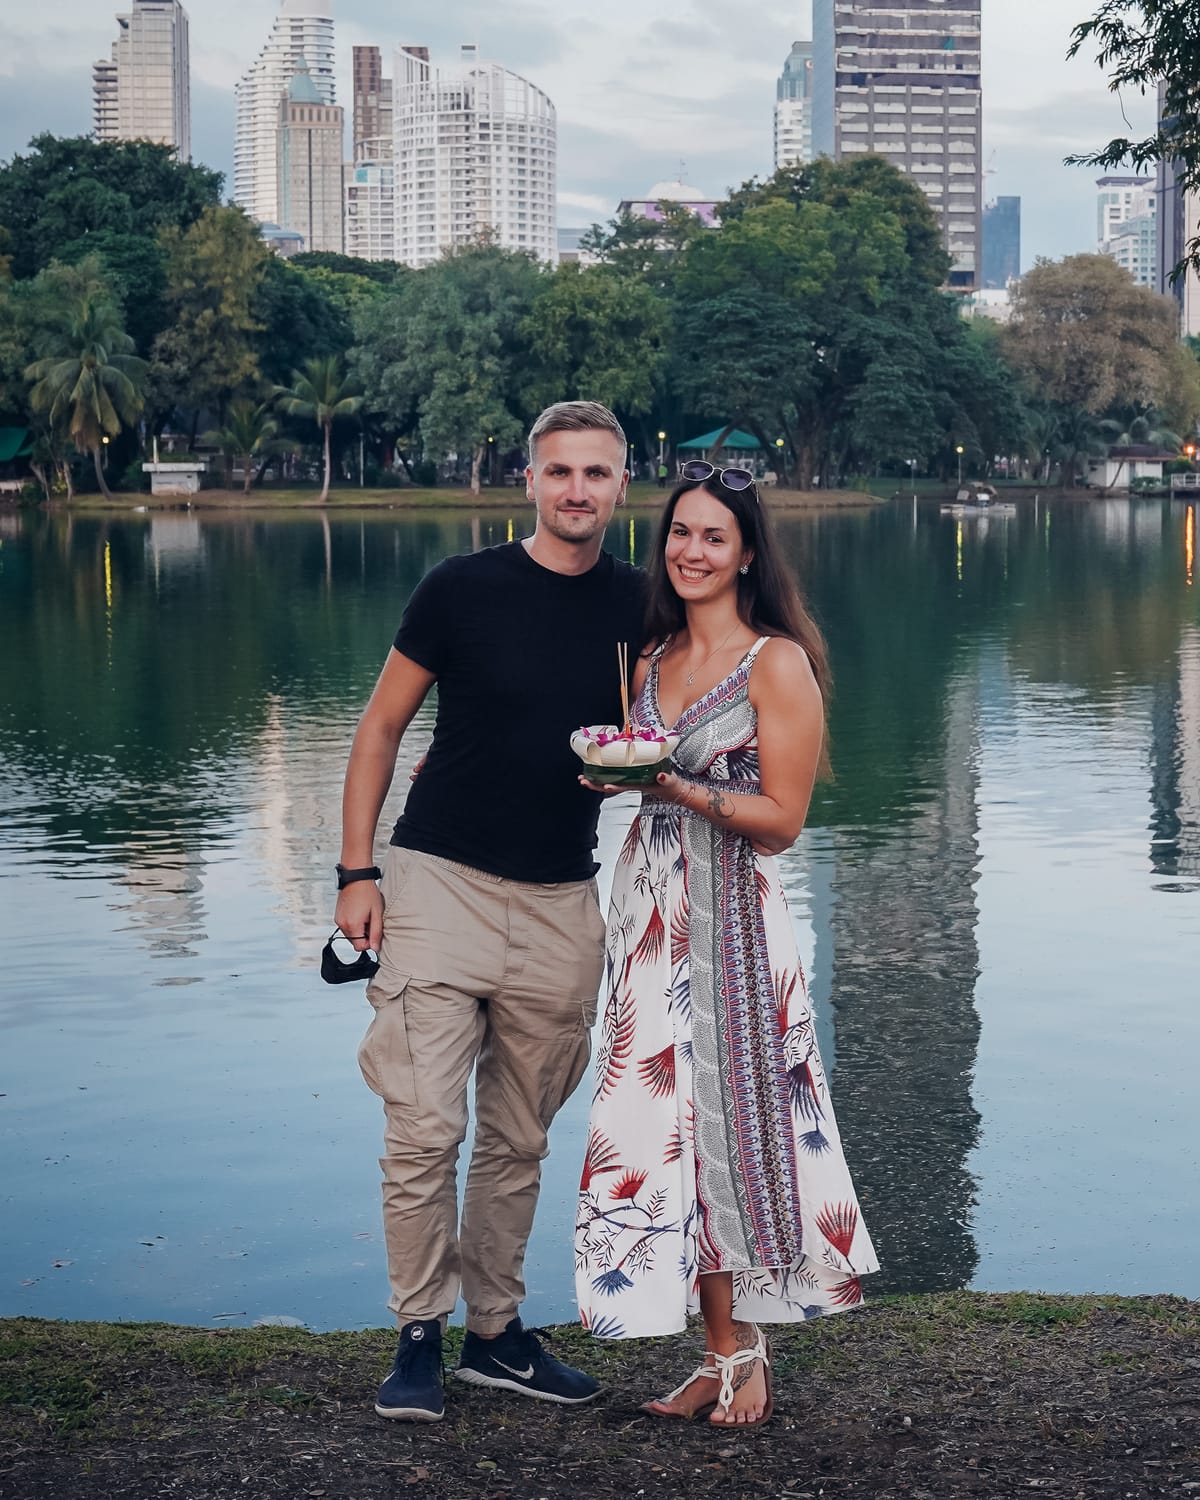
[(384, 1055)]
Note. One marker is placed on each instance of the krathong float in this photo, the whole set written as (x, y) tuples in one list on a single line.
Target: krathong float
[(627, 755)]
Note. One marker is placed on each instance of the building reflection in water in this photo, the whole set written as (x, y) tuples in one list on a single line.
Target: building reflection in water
[(1175, 767), (898, 924)]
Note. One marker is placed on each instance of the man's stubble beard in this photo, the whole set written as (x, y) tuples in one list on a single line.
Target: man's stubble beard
[(568, 533)]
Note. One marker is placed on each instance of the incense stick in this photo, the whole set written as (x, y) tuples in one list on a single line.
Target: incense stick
[(623, 670)]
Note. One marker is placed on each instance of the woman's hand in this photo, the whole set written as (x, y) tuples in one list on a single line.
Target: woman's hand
[(605, 791), (671, 787)]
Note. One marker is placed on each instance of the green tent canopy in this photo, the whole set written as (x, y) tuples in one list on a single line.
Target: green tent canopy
[(735, 439), (13, 443)]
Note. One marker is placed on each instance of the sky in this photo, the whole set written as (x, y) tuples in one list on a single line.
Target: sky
[(646, 90)]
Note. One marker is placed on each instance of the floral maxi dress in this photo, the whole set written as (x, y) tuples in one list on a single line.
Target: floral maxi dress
[(712, 1144)]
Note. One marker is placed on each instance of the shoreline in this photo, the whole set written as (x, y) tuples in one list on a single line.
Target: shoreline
[(941, 1395), (266, 502)]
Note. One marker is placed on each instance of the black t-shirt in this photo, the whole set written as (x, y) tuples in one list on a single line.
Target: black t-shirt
[(523, 656)]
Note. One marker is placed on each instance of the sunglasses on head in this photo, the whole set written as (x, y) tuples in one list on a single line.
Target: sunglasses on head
[(697, 471)]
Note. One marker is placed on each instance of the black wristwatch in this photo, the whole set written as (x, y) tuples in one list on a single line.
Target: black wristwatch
[(348, 877)]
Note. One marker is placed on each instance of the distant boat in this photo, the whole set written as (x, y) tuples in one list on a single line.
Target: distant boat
[(977, 499)]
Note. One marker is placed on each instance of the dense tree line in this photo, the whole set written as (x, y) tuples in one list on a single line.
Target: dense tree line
[(132, 301)]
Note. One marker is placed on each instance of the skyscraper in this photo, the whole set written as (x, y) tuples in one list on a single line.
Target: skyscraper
[(1127, 225), (1178, 226), (793, 107), (903, 80), (310, 164), (370, 228), (1001, 243), (1119, 199), (372, 106), (302, 32), (143, 91), (474, 152)]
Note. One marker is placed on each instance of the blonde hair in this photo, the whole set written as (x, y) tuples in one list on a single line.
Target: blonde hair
[(575, 416)]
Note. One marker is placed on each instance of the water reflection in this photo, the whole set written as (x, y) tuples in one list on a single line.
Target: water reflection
[(1175, 766), (175, 710)]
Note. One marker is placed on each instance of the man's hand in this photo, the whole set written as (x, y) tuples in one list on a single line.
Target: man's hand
[(359, 914)]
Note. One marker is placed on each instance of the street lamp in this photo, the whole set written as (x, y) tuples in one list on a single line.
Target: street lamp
[(662, 437), (959, 451), (104, 440)]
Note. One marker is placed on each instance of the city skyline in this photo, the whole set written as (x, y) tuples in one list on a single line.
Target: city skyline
[(637, 91)]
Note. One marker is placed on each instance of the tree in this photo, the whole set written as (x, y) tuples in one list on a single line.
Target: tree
[(834, 276), (1149, 46), (210, 351), (135, 266), (599, 336), (68, 188), (297, 320), (249, 432), (89, 378), (451, 352), (321, 393), (1085, 335), (1087, 339)]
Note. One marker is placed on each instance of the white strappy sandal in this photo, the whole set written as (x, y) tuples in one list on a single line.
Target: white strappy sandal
[(701, 1372), (726, 1364)]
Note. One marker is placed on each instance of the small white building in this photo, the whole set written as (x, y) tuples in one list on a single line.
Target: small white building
[(1122, 466)]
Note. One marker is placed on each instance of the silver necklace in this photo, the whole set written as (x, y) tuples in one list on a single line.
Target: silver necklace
[(691, 676)]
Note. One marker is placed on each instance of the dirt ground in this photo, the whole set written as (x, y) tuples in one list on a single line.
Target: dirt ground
[(930, 1398)]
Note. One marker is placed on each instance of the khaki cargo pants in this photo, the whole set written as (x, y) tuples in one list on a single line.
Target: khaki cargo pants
[(499, 976)]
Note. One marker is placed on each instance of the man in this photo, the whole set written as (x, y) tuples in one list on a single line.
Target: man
[(488, 926)]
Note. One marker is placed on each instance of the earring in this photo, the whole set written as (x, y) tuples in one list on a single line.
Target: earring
[(744, 569)]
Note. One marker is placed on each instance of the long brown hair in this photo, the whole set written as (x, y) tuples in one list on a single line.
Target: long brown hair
[(768, 597)]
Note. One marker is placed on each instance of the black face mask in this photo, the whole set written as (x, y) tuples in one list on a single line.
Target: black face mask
[(336, 969)]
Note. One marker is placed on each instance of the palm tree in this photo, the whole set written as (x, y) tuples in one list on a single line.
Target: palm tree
[(88, 379), (319, 391), (249, 432)]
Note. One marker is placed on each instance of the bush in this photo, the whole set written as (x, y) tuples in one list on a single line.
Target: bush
[(425, 474), (132, 480)]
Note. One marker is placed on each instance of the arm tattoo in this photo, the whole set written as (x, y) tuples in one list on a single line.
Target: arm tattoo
[(717, 805)]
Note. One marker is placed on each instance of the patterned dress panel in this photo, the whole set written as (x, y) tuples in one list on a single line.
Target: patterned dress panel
[(712, 1144)]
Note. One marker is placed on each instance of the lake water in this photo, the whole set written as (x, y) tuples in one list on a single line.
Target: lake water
[(998, 901)]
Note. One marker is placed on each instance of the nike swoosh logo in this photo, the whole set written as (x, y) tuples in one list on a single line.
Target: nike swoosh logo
[(520, 1374)]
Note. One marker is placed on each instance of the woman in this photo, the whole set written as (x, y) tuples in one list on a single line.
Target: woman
[(714, 1178)]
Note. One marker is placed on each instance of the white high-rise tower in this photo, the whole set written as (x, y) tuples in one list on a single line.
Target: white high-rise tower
[(143, 92), (302, 34), (474, 153)]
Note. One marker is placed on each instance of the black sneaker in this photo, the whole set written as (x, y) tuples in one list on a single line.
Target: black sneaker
[(516, 1361), (413, 1391)]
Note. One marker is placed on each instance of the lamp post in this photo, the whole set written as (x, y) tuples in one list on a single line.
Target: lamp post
[(104, 440), (959, 451), (662, 438)]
